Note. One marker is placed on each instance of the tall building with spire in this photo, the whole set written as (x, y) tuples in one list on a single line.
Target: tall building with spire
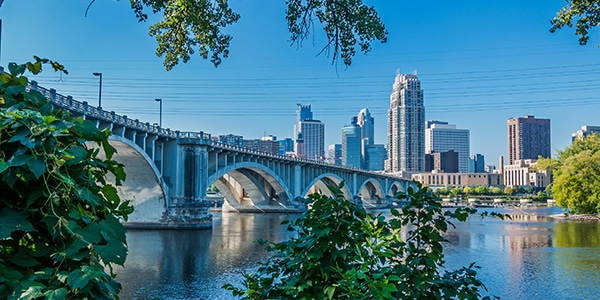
[(309, 134), (367, 126), (406, 126)]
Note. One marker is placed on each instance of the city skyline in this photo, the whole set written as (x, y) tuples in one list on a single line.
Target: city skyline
[(480, 64)]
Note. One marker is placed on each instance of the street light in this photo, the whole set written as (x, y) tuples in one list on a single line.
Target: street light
[(160, 112), (100, 90)]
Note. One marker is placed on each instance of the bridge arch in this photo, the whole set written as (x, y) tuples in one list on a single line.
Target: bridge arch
[(144, 185), (395, 188), (250, 184), (319, 184), (372, 194)]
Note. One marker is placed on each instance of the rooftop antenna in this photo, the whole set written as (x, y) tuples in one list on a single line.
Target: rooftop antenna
[(415, 72), (398, 71)]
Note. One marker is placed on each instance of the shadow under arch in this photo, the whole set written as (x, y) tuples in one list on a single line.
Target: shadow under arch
[(372, 194), (252, 186), (320, 183), (396, 187), (143, 185)]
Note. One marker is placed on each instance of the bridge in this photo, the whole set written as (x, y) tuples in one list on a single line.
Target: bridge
[(169, 171)]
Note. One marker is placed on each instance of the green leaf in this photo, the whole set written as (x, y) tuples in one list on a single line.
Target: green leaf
[(36, 167), (3, 165), (112, 229), (86, 195), (111, 194), (9, 274), (19, 159), (90, 233), (77, 280), (113, 252), (23, 260), (56, 294), (33, 290), (15, 69), (87, 130), (109, 150), (13, 221), (34, 68), (78, 153)]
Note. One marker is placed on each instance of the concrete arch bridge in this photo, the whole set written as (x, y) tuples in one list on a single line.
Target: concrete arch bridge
[(168, 173)]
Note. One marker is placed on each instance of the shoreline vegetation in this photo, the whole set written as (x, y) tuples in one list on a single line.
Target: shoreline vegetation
[(576, 217)]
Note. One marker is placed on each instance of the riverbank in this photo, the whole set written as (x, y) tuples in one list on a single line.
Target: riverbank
[(572, 217)]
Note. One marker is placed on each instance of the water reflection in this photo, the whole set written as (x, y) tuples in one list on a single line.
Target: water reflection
[(528, 257)]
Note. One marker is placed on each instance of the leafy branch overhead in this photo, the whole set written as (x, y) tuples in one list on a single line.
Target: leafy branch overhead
[(584, 14), (197, 25)]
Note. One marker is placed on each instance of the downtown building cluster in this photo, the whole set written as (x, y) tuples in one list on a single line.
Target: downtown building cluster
[(436, 153)]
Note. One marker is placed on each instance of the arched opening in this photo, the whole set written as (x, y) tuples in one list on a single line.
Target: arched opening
[(319, 185), (142, 186), (251, 188), (372, 195)]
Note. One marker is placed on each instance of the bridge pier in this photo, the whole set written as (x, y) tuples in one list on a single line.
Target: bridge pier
[(188, 208), (188, 215)]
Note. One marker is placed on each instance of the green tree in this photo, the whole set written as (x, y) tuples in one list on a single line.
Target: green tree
[(59, 219), (583, 14), (495, 190), (343, 252), (481, 190), (467, 190), (442, 191), (576, 174), (456, 191), (508, 190), (197, 25)]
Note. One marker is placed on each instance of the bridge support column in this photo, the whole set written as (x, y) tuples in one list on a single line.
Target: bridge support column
[(189, 208)]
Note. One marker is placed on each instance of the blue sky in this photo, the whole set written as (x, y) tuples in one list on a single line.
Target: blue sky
[(480, 63)]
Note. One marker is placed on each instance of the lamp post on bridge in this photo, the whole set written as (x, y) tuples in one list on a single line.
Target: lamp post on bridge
[(160, 112), (100, 90)]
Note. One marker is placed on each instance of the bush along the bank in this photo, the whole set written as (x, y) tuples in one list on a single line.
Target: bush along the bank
[(59, 218), (343, 252)]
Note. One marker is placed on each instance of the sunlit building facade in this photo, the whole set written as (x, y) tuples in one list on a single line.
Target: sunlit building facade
[(406, 126)]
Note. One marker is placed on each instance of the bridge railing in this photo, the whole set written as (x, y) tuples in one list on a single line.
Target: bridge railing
[(83, 108)]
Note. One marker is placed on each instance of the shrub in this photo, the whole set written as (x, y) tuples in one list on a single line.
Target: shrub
[(343, 252), (59, 218)]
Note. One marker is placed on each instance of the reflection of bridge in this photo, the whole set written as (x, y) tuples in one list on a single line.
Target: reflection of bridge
[(168, 172)]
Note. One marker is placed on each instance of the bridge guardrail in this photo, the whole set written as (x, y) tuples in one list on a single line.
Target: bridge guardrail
[(67, 102)]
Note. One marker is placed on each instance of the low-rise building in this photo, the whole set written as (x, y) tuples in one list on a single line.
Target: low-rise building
[(585, 131), (522, 173), (458, 179)]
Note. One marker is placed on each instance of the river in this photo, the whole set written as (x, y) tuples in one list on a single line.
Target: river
[(529, 257)]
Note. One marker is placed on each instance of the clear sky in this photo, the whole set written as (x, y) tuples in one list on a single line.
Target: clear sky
[(480, 63)]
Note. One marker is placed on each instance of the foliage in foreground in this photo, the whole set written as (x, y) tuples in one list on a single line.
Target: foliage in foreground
[(59, 218), (343, 252), (576, 175)]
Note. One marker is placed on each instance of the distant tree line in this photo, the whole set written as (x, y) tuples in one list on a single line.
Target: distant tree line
[(530, 192)]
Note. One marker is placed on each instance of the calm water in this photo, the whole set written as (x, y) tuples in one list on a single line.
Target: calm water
[(529, 257)]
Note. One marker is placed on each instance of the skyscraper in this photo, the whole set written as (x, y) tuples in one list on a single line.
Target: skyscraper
[(477, 164), (335, 154), (441, 137), (351, 144), (528, 138), (309, 134), (406, 126), (367, 127)]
